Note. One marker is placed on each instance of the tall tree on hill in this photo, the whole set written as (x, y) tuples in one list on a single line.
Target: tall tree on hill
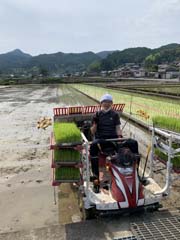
[(43, 72), (94, 67)]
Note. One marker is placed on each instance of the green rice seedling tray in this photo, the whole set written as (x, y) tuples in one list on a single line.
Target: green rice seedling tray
[(75, 146), (67, 155), (67, 173), (66, 133)]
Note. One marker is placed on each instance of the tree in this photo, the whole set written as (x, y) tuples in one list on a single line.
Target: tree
[(152, 61), (43, 72), (94, 67)]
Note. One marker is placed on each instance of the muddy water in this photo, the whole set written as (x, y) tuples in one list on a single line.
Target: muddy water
[(26, 194), (20, 109)]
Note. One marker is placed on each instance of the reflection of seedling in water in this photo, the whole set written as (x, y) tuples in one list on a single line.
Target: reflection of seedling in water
[(143, 114)]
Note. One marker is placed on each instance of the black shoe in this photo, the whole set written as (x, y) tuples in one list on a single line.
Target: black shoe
[(96, 189), (92, 178), (106, 187), (96, 186)]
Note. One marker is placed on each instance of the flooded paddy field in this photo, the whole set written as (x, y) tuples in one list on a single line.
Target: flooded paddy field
[(26, 194), (160, 90)]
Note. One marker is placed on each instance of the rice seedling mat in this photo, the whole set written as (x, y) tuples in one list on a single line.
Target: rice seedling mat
[(54, 146), (66, 175), (66, 144), (59, 161)]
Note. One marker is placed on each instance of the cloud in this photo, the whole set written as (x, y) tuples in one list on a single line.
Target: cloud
[(38, 26), (159, 24)]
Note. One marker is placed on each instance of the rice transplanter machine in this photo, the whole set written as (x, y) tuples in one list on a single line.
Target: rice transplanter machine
[(121, 187)]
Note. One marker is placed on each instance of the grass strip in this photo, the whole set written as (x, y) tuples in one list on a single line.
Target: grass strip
[(152, 105), (175, 161), (166, 122)]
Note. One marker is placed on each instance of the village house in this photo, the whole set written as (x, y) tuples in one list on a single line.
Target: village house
[(166, 71), (129, 70)]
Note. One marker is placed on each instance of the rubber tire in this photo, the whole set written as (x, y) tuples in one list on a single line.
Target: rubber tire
[(88, 213)]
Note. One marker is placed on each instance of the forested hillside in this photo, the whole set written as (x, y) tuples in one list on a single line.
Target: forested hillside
[(18, 62), (164, 54)]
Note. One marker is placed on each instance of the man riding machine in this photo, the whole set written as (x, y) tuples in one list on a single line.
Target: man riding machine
[(106, 125)]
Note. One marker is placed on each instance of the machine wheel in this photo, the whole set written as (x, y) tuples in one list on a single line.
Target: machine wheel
[(88, 213), (154, 207)]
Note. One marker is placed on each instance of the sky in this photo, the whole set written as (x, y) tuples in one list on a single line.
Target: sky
[(49, 26)]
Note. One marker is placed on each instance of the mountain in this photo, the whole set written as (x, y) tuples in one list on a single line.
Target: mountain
[(14, 59), (129, 55), (165, 54), (63, 62), (104, 54), (18, 61), (18, 53), (170, 46)]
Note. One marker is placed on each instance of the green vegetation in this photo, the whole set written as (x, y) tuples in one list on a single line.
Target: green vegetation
[(151, 62), (150, 57), (94, 67), (66, 133), (8, 81), (104, 54), (153, 106), (130, 55), (17, 61), (13, 61), (64, 62), (175, 90), (67, 63), (165, 54), (166, 122), (67, 173), (67, 155), (175, 161)]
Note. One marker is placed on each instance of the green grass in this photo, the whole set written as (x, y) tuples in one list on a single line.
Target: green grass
[(172, 124), (66, 133), (153, 106), (67, 173), (175, 161), (67, 155), (160, 89)]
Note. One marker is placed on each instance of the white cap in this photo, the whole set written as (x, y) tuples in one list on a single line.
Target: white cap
[(106, 97)]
